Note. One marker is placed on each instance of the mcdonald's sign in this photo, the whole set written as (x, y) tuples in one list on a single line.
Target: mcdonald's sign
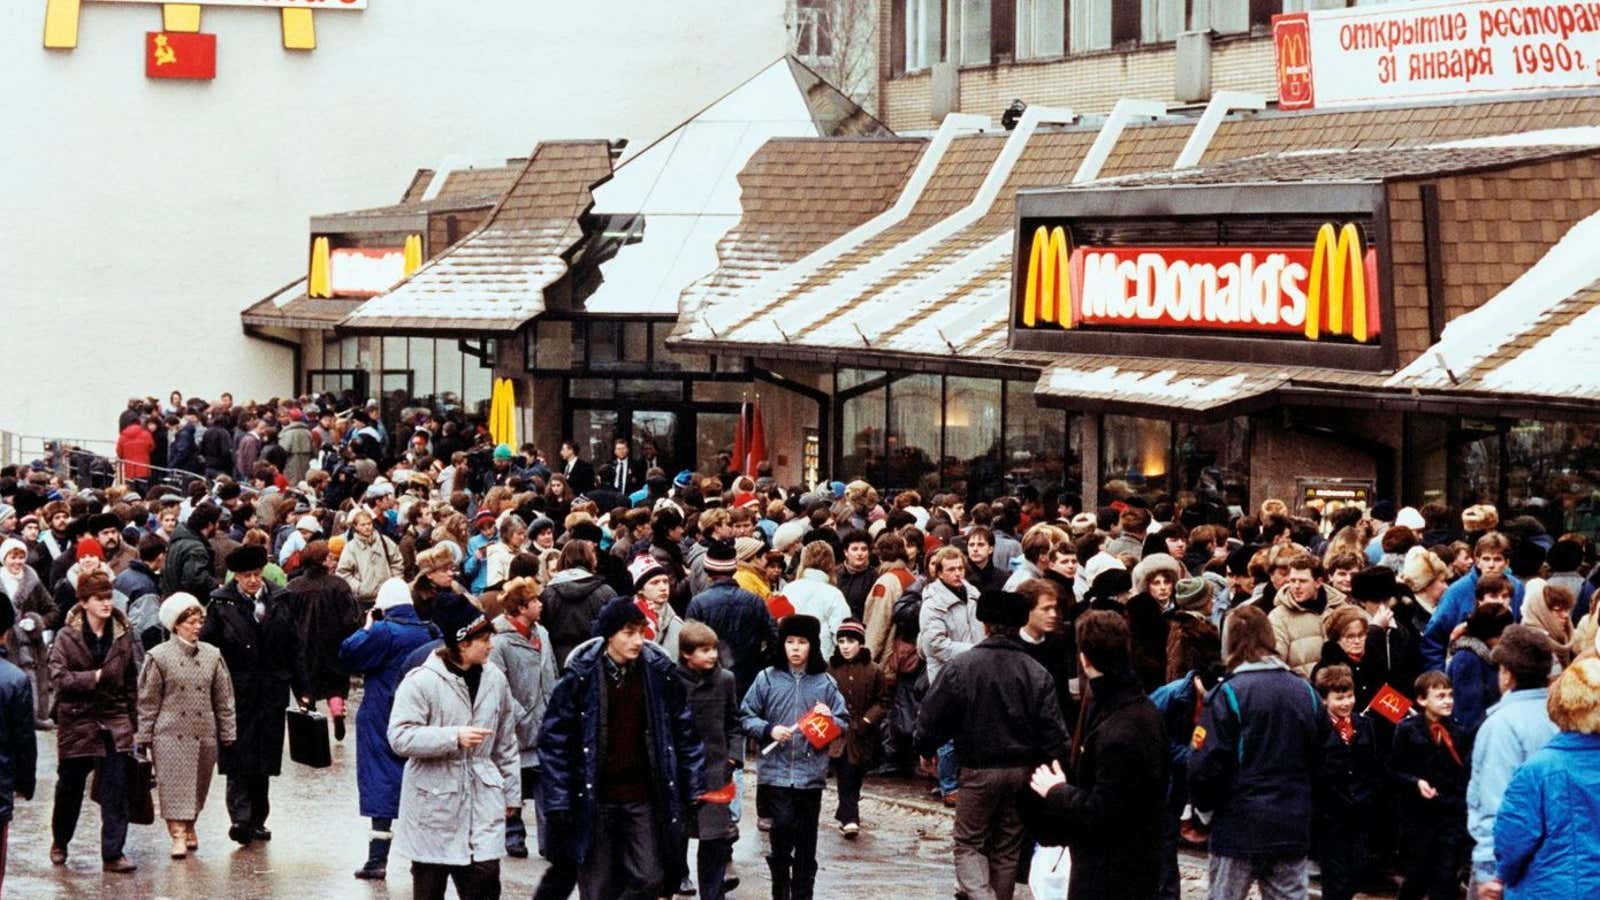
[(1327, 290), (1291, 38)]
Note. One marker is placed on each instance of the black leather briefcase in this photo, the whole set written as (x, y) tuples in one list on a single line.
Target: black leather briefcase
[(308, 739)]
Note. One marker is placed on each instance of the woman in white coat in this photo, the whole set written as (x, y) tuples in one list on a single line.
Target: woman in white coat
[(454, 722), (814, 594)]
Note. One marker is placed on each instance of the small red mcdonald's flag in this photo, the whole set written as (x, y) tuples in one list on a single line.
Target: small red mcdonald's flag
[(1391, 704), (177, 54), (722, 796), (779, 606), (819, 729)]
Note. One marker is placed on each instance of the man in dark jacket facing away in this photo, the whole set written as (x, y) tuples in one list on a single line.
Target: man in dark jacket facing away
[(746, 633), (1000, 708), (189, 564), (621, 762), (1256, 748), (19, 752), (1111, 814)]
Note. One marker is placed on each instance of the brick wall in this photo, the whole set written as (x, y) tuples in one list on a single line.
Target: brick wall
[(1492, 226), (1087, 84)]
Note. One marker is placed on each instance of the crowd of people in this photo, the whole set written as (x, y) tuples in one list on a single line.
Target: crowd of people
[(1385, 692)]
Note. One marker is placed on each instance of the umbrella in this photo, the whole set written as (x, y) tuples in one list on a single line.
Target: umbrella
[(757, 448)]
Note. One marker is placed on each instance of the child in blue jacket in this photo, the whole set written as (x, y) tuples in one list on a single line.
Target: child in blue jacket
[(792, 772)]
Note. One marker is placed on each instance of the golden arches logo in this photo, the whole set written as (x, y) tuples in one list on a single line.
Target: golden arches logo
[(1047, 295), (1337, 257)]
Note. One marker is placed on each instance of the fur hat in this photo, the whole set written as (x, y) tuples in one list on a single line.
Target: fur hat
[(644, 568), (1008, 609), (1374, 584), (102, 522), (617, 614), (1152, 565), (1574, 701), (93, 584), (1421, 568), (721, 558), (174, 607), (393, 592), (1082, 524), (1110, 584), (457, 618), (247, 558), (435, 558), (1482, 517), (1192, 594), (803, 626)]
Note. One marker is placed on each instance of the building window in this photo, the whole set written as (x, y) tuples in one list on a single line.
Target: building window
[(972, 411), (813, 29), (1041, 28), (975, 32), (924, 33), (1036, 442), (1135, 457), (1213, 466), (913, 440), (1164, 20)]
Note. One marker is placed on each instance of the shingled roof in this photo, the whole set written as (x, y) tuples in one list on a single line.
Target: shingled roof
[(494, 279)]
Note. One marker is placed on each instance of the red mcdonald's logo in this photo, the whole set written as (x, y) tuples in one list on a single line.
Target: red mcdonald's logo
[(1291, 37)]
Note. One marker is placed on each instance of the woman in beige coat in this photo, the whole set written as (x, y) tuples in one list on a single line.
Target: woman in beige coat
[(185, 711)]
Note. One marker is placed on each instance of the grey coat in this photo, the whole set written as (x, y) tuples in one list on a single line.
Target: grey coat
[(949, 624), (716, 717), (453, 802), (531, 673), (185, 711)]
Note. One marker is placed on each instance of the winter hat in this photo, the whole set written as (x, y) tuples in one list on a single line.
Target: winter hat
[(174, 607), (789, 533), (1192, 594), (1421, 568), (1374, 584), (1239, 561), (1110, 584), (88, 546), (1008, 609), (837, 487), (12, 545), (740, 501), (309, 523), (6, 512), (1410, 518), (744, 549), (1565, 556), (1482, 517), (667, 503), (93, 584), (721, 558), (644, 568), (804, 626), (102, 522), (538, 525), (587, 531), (393, 592), (1082, 524), (851, 627), (684, 478), (1383, 510), (435, 558), (247, 559), (483, 516), (617, 614), (458, 619), (1152, 565), (502, 451)]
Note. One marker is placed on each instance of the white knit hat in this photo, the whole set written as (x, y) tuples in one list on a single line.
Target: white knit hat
[(174, 606), (394, 592), (309, 523), (11, 544)]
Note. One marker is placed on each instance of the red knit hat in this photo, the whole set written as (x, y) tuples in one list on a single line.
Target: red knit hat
[(88, 546)]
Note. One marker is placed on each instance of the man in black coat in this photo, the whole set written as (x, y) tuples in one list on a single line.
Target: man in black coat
[(1000, 708), (1111, 812), (623, 474), (252, 623), (580, 474)]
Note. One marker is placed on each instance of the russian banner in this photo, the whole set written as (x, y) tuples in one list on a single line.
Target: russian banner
[(176, 54)]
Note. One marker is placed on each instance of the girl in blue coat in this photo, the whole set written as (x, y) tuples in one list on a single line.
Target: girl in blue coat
[(792, 772), (378, 651)]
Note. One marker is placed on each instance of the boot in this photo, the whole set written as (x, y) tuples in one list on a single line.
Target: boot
[(175, 830), (190, 839), (376, 867), (780, 878)]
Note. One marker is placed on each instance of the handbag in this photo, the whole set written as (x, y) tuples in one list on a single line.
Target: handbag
[(141, 784), (1050, 872), (308, 738)]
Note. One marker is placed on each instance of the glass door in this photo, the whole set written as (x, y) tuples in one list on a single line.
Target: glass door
[(658, 428)]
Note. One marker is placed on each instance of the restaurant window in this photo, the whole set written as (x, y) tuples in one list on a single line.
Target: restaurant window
[(1041, 28), (861, 425), (714, 441), (913, 442), (975, 32), (924, 33), (1213, 466), (477, 384), (1135, 457), (394, 354), (1036, 446), (419, 356), (1476, 455), (971, 434), (1552, 474), (650, 389), (448, 369), (551, 345)]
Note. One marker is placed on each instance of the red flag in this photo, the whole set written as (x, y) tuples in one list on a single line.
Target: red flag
[(819, 729), (1391, 704), (779, 606), (177, 54), (722, 796), (758, 441)]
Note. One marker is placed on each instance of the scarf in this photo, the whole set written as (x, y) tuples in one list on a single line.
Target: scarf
[(526, 631), (652, 618), (1441, 735), (1345, 726), (1536, 612)]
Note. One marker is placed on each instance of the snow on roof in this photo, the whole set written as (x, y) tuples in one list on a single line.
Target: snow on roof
[(1562, 364), (1472, 338), (1549, 137), (1162, 387)]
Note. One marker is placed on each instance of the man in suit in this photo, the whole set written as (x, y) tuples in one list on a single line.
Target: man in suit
[(623, 474), (580, 475)]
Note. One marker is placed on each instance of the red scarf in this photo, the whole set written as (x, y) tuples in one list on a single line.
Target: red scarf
[(1441, 735), (652, 618), (1345, 726), (526, 631)]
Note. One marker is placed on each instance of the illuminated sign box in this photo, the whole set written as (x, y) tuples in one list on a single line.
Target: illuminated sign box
[(1291, 274), (274, 4), (365, 271)]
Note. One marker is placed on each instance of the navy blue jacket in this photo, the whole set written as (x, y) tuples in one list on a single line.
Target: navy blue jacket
[(1348, 776), (574, 728), (746, 634), (1257, 747), (18, 751), (380, 653)]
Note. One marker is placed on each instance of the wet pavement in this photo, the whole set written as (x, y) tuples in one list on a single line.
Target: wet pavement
[(904, 849)]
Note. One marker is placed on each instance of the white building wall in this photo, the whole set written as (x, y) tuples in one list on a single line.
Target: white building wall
[(140, 216)]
